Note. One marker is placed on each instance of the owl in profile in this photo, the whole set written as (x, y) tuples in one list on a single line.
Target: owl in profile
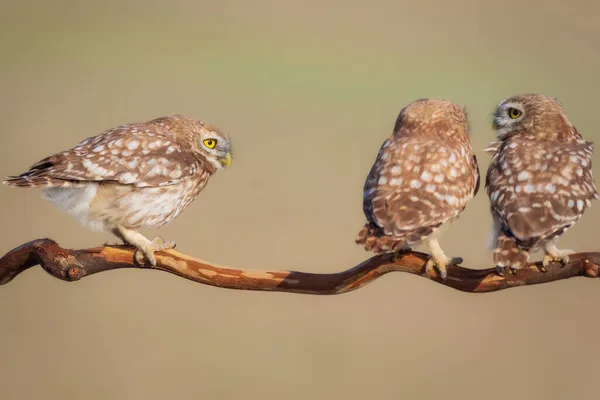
[(539, 181), (422, 179), (134, 176)]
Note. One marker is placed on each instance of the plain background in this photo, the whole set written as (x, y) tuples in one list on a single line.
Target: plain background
[(308, 91)]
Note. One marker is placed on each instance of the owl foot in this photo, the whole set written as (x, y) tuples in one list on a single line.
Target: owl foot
[(561, 258), (440, 264), (555, 254), (147, 251), (500, 270)]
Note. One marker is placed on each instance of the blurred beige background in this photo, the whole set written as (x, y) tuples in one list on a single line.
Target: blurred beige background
[(308, 91)]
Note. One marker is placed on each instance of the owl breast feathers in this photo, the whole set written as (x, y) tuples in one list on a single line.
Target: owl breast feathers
[(539, 189), (423, 177)]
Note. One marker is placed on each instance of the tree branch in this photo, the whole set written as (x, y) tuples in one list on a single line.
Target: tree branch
[(72, 265)]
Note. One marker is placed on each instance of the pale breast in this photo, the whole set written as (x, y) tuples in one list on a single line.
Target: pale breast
[(134, 207)]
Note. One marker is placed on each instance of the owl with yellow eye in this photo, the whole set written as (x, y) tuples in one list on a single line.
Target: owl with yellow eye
[(539, 181), (134, 176)]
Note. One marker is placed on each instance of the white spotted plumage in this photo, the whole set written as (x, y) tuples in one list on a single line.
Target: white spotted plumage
[(422, 178), (539, 181), (132, 176)]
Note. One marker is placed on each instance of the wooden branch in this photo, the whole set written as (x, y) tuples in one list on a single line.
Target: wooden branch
[(72, 265)]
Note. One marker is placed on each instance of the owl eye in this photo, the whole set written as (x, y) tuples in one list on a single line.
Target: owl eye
[(210, 143), (514, 113)]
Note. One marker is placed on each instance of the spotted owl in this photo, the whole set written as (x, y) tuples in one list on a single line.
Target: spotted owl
[(133, 176), (422, 179), (539, 181)]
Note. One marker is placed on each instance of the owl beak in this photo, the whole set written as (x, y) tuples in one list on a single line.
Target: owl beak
[(226, 161), (496, 124)]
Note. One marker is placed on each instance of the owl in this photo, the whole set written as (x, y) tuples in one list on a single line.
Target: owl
[(422, 179), (539, 181), (133, 176)]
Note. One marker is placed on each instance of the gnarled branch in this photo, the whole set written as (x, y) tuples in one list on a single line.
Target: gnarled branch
[(72, 265)]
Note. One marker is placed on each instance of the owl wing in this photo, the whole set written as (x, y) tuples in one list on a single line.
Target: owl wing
[(129, 154), (475, 166), (538, 193), (416, 186)]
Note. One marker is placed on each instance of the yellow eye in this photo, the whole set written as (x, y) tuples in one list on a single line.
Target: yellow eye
[(514, 113), (210, 143)]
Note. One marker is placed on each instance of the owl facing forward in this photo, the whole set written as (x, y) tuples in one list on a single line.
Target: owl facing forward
[(422, 179), (133, 176), (539, 181)]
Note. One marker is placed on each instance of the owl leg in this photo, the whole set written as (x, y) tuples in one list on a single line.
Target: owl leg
[(509, 255), (555, 254), (145, 247), (439, 259)]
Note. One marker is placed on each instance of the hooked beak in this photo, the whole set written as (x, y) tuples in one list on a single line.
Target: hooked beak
[(496, 124), (226, 161)]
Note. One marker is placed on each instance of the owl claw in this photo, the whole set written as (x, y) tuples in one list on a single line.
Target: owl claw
[(157, 244), (440, 265), (562, 258), (500, 270)]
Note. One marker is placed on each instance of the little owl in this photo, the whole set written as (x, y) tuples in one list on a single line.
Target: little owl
[(133, 176), (422, 179), (539, 181)]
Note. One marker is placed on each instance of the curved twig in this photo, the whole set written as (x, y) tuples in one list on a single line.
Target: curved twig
[(72, 265)]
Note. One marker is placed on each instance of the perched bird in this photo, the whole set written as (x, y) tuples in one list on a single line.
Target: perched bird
[(539, 181), (133, 176), (422, 178)]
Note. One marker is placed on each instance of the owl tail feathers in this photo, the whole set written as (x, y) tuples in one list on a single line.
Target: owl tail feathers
[(508, 253), (373, 239), (29, 181)]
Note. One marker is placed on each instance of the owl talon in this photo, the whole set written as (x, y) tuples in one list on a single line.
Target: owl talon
[(441, 264), (500, 270), (563, 259), (160, 244), (157, 244), (141, 255)]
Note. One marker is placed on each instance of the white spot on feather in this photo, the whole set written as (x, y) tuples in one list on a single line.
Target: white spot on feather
[(128, 177), (452, 200), (523, 175)]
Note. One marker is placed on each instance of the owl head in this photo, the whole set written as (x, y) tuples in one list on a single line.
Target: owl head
[(537, 114), (214, 145), (207, 142), (436, 117)]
